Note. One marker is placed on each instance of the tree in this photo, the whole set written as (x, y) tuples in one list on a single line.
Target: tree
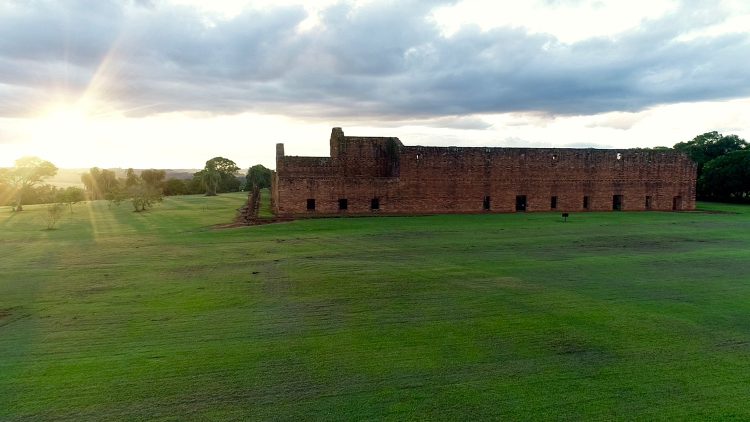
[(27, 173), (710, 145), (143, 196), (258, 175), (210, 178), (229, 183), (153, 178), (195, 185), (42, 194), (707, 147), (54, 212), (99, 182), (131, 179), (727, 177), (70, 196), (116, 196), (144, 190), (219, 175), (89, 181), (223, 165), (175, 187), (108, 181)]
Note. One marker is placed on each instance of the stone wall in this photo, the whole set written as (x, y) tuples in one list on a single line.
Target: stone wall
[(367, 175)]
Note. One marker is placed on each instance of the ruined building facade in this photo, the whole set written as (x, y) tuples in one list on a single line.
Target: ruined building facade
[(370, 175)]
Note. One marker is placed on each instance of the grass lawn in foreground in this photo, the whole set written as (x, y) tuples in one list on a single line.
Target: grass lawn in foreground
[(158, 315)]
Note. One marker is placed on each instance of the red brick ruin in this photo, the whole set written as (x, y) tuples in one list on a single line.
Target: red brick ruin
[(380, 175)]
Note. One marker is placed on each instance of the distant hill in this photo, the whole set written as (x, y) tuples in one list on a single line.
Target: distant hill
[(72, 177)]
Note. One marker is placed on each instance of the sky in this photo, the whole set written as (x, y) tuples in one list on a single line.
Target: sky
[(173, 83)]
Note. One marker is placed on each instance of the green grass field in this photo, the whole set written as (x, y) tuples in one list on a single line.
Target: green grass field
[(159, 315)]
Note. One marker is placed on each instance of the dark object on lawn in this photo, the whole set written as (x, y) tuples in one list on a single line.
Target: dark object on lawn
[(565, 216)]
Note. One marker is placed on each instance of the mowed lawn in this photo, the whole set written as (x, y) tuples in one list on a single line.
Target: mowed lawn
[(160, 315)]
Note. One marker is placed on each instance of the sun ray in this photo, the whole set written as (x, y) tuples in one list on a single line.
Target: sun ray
[(94, 224), (71, 126)]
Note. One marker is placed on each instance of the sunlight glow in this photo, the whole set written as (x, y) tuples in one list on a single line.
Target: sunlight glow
[(62, 131), (63, 120)]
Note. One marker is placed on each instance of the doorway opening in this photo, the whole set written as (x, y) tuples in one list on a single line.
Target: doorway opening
[(521, 203), (617, 202)]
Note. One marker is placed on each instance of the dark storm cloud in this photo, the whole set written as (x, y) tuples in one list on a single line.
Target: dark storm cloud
[(384, 60)]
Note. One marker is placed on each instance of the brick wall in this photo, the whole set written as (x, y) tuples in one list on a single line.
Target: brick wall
[(398, 179)]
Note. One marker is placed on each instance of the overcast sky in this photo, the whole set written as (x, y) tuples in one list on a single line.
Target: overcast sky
[(170, 84)]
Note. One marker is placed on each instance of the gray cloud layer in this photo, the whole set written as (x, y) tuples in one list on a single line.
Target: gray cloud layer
[(383, 60)]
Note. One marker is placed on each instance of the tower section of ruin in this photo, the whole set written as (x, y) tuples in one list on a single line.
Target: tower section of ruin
[(379, 175)]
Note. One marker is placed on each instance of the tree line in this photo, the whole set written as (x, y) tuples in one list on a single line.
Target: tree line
[(25, 184)]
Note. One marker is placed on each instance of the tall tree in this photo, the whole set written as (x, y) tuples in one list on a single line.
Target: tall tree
[(258, 175), (91, 182), (27, 173), (88, 183), (108, 181), (220, 174), (99, 182), (727, 178), (210, 178), (131, 179), (223, 165)]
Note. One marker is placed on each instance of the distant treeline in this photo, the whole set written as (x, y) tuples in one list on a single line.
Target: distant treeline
[(23, 184)]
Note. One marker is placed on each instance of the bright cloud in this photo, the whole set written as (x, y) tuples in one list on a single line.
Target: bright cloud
[(173, 83), (568, 21)]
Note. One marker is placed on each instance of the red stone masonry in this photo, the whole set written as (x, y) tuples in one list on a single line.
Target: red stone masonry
[(378, 175)]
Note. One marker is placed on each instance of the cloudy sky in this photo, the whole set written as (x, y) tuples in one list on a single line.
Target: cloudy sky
[(172, 83)]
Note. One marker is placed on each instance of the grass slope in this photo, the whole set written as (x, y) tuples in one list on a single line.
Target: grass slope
[(159, 316)]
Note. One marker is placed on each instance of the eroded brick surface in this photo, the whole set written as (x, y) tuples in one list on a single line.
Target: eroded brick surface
[(382, 173)]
